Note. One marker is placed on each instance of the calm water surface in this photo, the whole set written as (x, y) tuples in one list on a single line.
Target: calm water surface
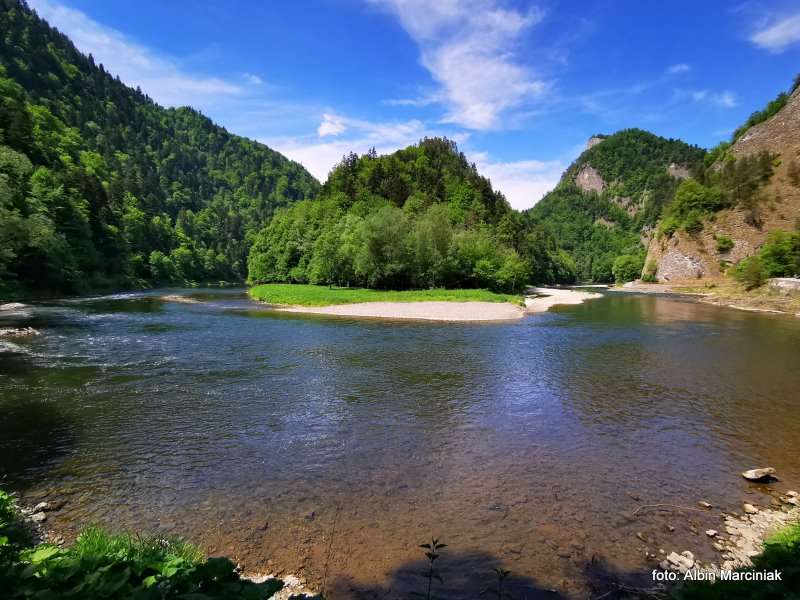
[(273, 438)]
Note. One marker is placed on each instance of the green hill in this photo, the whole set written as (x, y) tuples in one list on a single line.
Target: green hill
[(102, 187), (418, 218), (611, 197)]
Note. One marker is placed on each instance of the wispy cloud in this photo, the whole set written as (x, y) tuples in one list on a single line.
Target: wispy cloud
[(777, 34), (523, 182), (252, 79), (319, 155), (159, 76), (679, 68), (467, 47), (724, 99)]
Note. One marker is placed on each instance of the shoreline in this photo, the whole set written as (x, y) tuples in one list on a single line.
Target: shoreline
[(723, 294), (541, 300)]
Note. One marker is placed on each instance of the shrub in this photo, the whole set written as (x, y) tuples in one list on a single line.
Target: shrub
[(750, 272), (627, 267), (650, 270), (724, 242)]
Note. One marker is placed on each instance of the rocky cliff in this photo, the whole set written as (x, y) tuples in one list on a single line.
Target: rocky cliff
[(687, 256)]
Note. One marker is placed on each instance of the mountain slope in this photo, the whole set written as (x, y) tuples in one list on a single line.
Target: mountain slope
[(610, 198), (101, 186), (759, 180), (420, 217)]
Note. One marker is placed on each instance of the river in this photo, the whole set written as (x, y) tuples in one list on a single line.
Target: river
[(332, 447)]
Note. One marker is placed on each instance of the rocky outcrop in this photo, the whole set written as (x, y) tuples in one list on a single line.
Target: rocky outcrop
[(678, 171), (675, 266), (698, 255), (589, 180), (593, 141)]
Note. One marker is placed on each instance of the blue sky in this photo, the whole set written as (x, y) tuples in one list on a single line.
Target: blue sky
[(519, 85)]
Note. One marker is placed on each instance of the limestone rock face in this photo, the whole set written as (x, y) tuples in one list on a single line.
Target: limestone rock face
[(589, 180), (676, 266), (593, 141)]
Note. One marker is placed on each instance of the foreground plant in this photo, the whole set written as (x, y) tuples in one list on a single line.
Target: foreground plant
[(432, 553)]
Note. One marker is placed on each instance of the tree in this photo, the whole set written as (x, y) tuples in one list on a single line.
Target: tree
[(627, 267)]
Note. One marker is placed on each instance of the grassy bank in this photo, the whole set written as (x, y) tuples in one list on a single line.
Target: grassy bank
[(114, 567), (732, 293), (319, 295)]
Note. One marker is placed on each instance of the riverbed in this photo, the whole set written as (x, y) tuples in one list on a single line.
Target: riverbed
[(331, 447)]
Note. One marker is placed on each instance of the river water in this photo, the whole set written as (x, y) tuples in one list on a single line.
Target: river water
[(333, 447)]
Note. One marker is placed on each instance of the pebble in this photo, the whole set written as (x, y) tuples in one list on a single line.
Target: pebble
[(704, 504), (711, 532)]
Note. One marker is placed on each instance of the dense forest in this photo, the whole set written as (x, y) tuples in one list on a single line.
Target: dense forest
[(600, 228), (102, 187), (418, 218)]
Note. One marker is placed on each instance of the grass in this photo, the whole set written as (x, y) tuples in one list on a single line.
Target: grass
[(781, 553), (320, 295)]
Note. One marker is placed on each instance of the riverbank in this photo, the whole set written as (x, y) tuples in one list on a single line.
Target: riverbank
[(425, 305), (725, 293)]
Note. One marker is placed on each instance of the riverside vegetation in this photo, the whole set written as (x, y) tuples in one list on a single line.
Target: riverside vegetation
[(316, 295), (100, 565)]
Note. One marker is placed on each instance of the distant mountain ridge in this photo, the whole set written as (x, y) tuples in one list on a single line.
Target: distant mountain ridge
[(103, 187), (609, 200)]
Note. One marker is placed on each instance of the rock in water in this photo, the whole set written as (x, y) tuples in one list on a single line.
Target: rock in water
[(38, 517), (763, 474), (749, 508)]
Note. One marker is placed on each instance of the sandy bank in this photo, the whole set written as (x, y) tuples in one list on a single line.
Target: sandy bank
[(543, 299), (423, 311)]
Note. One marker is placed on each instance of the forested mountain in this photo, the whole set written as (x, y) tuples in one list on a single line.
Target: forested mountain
[(741, 210), (102, 187), (611, 197), (421, 217)]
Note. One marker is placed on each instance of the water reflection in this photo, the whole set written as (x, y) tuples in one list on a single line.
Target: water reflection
[(526, 441)]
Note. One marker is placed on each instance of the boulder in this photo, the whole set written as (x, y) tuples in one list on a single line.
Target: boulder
[(680, 562), (704, 504), (749, 508), (711, 532), (38, 517), (42, 506), (761, 475)]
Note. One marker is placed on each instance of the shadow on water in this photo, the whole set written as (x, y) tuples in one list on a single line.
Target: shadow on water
[(464, 575), (42, 435), (474, 575)]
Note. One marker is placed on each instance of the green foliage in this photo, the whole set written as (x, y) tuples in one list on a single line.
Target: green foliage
[(778, 257), (419, 218), (762, 115), (95, 177), (627, 267), (317, 295), (102, 566), (649, 272), (781, 553), (750, 272), (635, 164), (724, 243)]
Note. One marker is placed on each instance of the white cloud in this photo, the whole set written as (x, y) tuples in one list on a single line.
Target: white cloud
[(320, 156), (679, 68), (331, 125), (252, 79), (522, 182), (779, 34), (159, 77), (467, 46), (725, 99)]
